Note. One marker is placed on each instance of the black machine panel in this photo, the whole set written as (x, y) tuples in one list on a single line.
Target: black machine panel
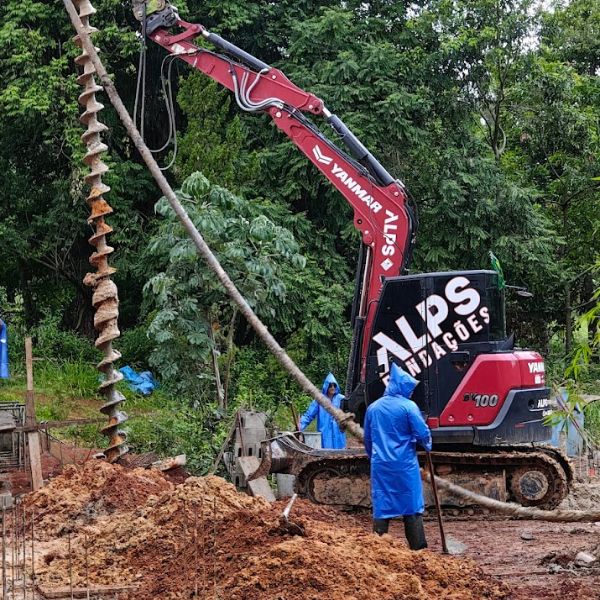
[(433, 326)]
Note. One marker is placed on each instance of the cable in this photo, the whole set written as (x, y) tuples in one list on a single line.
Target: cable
[(167, 91), (141, 69)]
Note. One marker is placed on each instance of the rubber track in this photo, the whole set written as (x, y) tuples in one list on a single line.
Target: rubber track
[(549, 460)]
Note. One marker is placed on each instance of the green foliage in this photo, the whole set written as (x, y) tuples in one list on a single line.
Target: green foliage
[(488, 111), (67, 379), (43, 230), (136, 346), (585, 358), (190, 303), (214, 141), (174, 429), (591, 421)]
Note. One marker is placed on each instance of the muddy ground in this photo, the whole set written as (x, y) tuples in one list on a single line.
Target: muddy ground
[(171, 540), (526, 565), (539, 567)]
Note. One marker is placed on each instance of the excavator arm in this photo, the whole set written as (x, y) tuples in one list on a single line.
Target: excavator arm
[(381, 211)]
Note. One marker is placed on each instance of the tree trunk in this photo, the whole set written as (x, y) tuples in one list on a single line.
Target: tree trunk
[(214, 353)]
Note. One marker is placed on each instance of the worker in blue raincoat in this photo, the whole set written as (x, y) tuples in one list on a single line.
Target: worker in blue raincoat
[(331, 436), (3, 351), (393, 426)]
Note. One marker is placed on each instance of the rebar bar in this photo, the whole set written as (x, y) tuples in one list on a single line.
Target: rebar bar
[(195, 551), (33, 548), (14, 545), (70, 565), (202, 547), (87, 567), (24, 539), (214, 549), (105, 298), (3, 551), (17, 548)]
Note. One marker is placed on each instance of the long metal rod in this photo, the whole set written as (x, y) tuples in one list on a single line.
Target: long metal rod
[(195, 551), (70, 566), (24, 538), (437, 503), (3, 551), (33, 548), (87, 567), (14, 549), (214, 548)]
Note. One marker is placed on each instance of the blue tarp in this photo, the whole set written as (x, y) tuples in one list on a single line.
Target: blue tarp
[(3, 351), (143, 383)]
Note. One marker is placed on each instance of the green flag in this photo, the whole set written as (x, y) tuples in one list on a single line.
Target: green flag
[(498, 268)]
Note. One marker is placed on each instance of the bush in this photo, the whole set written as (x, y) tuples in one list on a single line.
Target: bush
[(53, 343), (135, 346)]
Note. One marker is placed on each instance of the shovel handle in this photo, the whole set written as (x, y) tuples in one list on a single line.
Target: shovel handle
[(437, 503), (286, 511)]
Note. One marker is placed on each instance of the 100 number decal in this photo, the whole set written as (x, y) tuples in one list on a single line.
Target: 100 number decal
[(482, 400)]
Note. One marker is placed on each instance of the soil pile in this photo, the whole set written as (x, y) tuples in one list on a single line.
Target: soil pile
[(80, 495), (583, 496), (204, 537)]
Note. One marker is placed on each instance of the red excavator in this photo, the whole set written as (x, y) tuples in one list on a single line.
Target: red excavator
[(484, 399)]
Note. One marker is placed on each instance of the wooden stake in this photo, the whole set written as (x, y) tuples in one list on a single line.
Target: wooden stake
[(33, 437)]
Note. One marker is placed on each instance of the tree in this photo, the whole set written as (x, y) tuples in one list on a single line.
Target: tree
[(42, 203), (191, 309)]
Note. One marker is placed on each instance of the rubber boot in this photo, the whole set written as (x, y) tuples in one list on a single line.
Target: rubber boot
[(381, 526), (415, 532)]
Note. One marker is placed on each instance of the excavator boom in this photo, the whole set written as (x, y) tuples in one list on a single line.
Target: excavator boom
[(382, 212)]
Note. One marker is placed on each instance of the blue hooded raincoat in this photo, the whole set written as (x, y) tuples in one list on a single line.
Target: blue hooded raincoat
[(3, 351), (393, 426), (331, 436)]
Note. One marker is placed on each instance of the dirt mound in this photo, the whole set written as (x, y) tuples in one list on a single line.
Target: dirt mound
[(583, 496), (82, 494), (204, 536), (341, 564)]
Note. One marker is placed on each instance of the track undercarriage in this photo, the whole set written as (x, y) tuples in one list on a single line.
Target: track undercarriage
[(530, 476)]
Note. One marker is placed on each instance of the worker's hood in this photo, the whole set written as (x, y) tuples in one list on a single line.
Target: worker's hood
[(400, 383), (330, 379)]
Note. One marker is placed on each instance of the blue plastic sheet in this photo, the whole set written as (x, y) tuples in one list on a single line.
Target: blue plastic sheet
[(4, 374), (143, 383)]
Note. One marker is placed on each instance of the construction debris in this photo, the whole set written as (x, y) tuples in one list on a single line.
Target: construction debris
[(204, 539)]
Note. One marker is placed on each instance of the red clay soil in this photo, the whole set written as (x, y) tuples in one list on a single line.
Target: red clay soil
[(205, 535), (80, 495)]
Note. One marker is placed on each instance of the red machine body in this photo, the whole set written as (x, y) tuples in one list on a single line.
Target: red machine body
[(493, 376)]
